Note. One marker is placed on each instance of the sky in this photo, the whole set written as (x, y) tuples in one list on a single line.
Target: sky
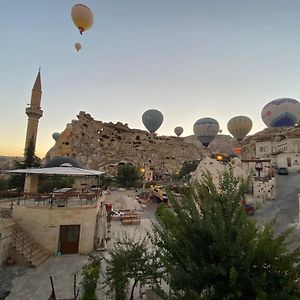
[(189, 59)]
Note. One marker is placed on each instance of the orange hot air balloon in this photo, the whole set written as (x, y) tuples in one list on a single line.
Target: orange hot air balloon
[(82, 17), (77, 46)]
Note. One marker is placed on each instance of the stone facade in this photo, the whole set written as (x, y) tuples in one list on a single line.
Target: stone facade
[(43, 224), (101, 146), (280, 145)]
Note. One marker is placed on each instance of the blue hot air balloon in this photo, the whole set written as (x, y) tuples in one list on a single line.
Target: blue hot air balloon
[(206, 129), (152, 119), (283, 112)]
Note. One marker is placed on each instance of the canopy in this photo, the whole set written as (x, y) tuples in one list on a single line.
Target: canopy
[(62, 170)]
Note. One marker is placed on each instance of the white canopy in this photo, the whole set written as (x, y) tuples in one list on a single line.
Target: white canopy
[(65, 169)]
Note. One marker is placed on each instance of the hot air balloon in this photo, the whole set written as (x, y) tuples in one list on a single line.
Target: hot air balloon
[(77, 46), (206, 129), (178, 130), (283, 112), (239, 126), (82, 17), (55, 136), (152, 119)]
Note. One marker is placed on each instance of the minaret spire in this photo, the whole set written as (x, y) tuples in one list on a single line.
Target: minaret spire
[(34, 111)]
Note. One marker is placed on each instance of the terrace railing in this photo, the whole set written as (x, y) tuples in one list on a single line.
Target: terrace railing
[(70, 199)]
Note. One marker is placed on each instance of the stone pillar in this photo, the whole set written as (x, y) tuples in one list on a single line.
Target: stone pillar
[(31, 183)]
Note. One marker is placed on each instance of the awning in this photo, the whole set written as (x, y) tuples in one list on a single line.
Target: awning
[(62, 170)]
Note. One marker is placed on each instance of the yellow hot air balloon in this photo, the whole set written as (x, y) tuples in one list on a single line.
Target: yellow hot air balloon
[(77, 46), (82, 17), (239, 126)]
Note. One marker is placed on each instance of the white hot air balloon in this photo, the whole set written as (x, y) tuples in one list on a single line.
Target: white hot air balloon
[(78, 46)]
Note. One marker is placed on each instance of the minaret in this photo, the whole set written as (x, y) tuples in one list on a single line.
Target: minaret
[(34, 111)]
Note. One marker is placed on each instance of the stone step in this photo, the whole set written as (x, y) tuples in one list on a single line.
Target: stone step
[(39, 258), (26, 246)]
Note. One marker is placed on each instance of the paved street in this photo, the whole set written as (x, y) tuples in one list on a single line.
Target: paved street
[(35, 283), (285, 207)]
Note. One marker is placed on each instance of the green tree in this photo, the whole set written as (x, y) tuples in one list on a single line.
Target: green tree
[(3, 184), (128, 176), (132, 260), (30, 161), (212, 250), (187, 168), (47, 184), (90, 277)]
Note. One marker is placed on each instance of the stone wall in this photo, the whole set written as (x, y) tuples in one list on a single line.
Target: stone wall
[(43, 224), (5, 237)]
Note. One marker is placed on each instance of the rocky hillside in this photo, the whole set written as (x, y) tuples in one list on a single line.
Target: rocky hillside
[(99, 145), (275, 133), (8, 162), (224, 144)]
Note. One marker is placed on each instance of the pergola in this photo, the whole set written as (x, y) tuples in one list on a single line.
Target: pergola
[(32, 174)]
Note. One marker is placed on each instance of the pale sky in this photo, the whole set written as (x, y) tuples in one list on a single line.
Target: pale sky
[(189, 59)]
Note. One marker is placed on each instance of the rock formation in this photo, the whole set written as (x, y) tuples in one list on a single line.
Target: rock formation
[(99, 145)]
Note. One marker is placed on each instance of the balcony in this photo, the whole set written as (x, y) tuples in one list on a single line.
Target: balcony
[(50, 200), (34, 112)]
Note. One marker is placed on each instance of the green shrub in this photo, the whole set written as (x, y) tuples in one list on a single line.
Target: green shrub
[(90, 278)]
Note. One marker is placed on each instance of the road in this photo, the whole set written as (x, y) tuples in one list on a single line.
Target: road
[(285, 207)]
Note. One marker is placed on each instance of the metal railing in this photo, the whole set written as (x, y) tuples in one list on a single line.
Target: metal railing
[(70, 199)]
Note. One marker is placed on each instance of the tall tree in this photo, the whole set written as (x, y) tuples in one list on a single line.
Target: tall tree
[(30, 161), (212, 250)]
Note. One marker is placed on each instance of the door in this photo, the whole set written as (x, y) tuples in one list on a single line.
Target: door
[(69, 239)]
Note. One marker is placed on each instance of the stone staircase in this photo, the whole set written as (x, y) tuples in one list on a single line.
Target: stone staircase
[(25, 245)]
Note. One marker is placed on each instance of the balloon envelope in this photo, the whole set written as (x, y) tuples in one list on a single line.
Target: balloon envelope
[(283, 112), (206, 129), (239, 126), (77, 46), (152, 119), (82, 17), (178, 130), (55, 136)]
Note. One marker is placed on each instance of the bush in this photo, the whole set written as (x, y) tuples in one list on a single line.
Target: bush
[(47, 184), (90, 278), (128, 176)]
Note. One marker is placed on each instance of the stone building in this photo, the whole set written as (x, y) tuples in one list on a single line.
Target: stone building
[(280, 145)]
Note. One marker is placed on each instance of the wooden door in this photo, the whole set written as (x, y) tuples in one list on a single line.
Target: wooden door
[(69, 239)]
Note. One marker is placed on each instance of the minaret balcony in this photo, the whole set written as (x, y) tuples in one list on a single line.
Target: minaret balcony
[(34, 112)]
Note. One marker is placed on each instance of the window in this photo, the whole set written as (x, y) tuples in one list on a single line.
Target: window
[(263, 149)]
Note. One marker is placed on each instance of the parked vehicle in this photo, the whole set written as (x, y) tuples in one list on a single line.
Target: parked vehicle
[(249, 208), (283, 171)]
